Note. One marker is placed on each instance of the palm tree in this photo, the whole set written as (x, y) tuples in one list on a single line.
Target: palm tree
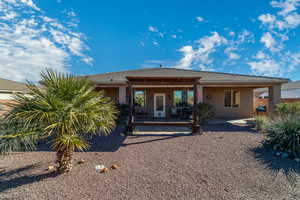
[(65, 110)]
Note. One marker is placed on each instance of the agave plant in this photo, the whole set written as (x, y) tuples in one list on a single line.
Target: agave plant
[(65, 110)]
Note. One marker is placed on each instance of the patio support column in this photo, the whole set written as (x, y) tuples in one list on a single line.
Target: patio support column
[(122, 95), (274, 97), (129, 125), (200, 93), (195, 126)]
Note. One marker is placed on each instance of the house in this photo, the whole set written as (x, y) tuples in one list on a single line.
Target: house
[(7, 89), (169, 93), (290, 92)]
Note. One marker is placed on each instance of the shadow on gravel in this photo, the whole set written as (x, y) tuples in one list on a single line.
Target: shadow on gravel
[(289, 168), (228, 127), (98, 143), (12, 179), (108, 143), (161, 137)]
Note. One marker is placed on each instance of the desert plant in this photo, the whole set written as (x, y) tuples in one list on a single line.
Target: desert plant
[(66, 112), (284, 135), (261, 122), (284, 110), (204, 112)]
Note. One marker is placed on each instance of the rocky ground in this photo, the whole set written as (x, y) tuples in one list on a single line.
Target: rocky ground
[(226, 162)]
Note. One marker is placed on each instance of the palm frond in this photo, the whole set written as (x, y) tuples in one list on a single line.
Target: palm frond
[(69, 142)]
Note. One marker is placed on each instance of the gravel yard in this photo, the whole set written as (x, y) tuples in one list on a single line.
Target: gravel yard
[(226, 162)]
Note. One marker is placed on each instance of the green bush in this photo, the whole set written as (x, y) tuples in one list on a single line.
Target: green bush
[(123, 112), (284, 110), (284, 135), (204, 112), (261, 122)]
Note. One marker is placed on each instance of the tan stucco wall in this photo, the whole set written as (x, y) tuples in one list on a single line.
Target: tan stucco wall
[(215, 96), (111, 92), (3, 107)]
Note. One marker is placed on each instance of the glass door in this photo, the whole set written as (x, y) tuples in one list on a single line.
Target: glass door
[(160, 105)]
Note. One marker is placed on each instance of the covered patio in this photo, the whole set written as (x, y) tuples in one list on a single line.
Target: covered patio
[(158, 106)]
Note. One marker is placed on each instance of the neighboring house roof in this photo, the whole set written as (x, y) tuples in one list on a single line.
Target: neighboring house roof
[(206, 77), (291, 85), (12, 86)]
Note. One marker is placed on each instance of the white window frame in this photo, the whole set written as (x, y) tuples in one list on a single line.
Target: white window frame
[(145, 97)]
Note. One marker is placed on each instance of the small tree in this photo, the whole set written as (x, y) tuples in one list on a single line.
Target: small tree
[(65, 111)]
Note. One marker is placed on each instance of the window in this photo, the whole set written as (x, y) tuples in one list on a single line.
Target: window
[(183, 98), (231, 98), (139, 98)]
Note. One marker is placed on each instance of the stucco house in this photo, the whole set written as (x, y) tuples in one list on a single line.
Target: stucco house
[(7, 89), (154, 93), (289, 91)]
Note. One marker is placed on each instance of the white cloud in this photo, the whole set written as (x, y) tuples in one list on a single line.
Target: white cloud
[(28, 44), (233, 56), (71, 14), (188, 57), (275, 59), (156, 32), (200, 19), (260, 55), (232, 33), (286, 18), (27, 2), (265, 67), (174, 36), (245, 36), (292, 20), (155, 43), (152, 29), (286, 6), (201, 55), (268, 41), (267, 18)]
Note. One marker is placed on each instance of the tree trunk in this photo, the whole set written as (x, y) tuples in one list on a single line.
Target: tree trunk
[(64, 160)]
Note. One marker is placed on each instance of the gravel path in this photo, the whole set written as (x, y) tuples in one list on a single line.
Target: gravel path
[(223, 163)]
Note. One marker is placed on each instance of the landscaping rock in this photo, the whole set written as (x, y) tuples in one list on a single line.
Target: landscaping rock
[(114, 166), (81, 161), (50, 167), (297, 160), (104, 170), (98, 168)]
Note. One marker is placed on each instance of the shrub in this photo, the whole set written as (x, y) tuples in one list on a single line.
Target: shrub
[(261, 122), (284, 110), (284, 135), (123, 112), (204, 112)]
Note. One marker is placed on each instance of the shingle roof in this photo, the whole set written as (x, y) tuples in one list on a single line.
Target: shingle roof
[(206, 77), (12, 86)]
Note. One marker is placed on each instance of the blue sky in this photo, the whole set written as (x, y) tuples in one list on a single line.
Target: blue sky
[(86, 37)]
